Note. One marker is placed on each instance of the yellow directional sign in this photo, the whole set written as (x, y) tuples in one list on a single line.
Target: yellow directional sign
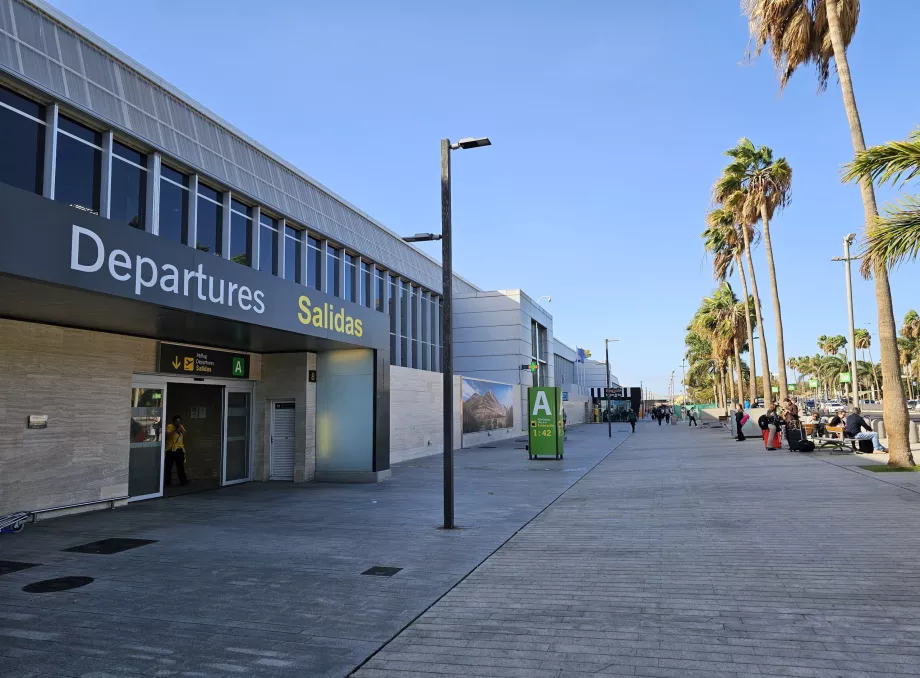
[(202, 362)]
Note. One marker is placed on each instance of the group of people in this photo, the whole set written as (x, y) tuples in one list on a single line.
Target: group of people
[(776, 418), (854, 426), (662, 412)]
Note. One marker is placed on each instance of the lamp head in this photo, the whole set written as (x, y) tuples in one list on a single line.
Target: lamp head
[(473, 142), (851, 237)]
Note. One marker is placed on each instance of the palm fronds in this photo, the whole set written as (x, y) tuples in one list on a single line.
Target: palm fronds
[(893, 238)]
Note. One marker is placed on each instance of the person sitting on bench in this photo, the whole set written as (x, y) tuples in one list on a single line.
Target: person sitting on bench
[(854, 429), (837, 419), (818, 430)]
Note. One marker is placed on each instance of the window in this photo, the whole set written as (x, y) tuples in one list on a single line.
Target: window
[(333, 268), (240, 233), (22, 141), (351, 275), (268, 245), (391, 305), (129, 187), (538, 352), (424, 333), (209, 234), (78, 168), (173, 205), (404, 323), (414, 296), (365, 284), (436, 308), (314, 263), (381, 300), (292, 254)]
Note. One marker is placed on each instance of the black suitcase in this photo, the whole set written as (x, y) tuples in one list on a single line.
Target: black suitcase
[(793, 437), (865, 446)]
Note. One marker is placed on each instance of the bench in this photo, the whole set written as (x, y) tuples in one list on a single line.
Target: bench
[(840, 442)]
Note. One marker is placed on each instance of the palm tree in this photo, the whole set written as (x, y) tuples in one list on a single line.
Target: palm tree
[(800, 33), (909, 347), (719, 320), (864, 343), (731, 213), (724, 240), (760, 185), (895, 237)]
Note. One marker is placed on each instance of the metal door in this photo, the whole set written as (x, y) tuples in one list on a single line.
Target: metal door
[(282, 440)]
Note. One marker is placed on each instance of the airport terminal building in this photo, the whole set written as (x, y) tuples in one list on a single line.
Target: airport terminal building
[(155, 261)]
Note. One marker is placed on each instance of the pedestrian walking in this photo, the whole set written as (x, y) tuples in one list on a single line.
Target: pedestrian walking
[(659, 415), (691, 416), (667, 415), (740, 420), (175, 451), (631, 418)]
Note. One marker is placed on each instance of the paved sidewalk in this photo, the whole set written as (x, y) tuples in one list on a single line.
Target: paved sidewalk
[(687, 554), (265, 579)]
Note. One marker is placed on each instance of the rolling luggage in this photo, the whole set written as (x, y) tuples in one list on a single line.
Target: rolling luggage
[(777, 440)]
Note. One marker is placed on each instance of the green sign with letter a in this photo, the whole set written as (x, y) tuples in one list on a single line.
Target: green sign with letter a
[(544, 419)]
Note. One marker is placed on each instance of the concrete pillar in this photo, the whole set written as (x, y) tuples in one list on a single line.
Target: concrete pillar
[(914, 434), (152, 216), (881, 429), (51, 136), (105, 188), (225, 226), (193, 211), (256, 232)]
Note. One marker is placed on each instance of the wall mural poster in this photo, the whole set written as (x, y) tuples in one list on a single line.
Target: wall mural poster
[(487, 405)]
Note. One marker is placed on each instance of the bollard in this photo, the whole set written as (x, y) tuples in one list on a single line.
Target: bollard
[(881, 429), (874, 424), (914, 435)]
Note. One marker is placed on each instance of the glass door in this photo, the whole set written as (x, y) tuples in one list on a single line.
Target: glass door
[(237, 436), (145, 453)]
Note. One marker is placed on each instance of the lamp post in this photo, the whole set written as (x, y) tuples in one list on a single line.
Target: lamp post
[(846, 259), (607, 392), (548, 298), (447, 280)]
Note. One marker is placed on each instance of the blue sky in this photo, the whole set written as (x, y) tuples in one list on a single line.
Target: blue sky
[(608, 120)]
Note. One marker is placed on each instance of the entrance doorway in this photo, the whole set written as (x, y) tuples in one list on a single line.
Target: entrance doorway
[(217, 418), (200, 407)]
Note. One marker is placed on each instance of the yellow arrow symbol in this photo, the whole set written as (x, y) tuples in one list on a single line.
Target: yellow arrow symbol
[(176, 363)]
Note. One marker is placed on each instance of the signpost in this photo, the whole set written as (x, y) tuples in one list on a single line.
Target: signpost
[(790, 387), (813, 383), (774, 389), (203, 362), (544, 415), (845, 378)]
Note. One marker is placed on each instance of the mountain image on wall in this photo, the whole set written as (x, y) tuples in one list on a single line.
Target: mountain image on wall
[(483, 412)]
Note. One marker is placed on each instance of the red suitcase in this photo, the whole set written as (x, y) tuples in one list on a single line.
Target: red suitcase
[(777, 440)]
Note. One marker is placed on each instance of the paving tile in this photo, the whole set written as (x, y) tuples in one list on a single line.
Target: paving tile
[(685, 554)]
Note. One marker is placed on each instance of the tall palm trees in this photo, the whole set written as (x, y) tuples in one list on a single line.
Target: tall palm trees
[(864, 343), (724, 239), (719, 321), (800, 33), (757, 185)]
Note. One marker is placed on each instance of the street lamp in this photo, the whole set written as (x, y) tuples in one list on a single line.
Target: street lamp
[(447, 280), (846, 258), (545, 296), (607, 392)]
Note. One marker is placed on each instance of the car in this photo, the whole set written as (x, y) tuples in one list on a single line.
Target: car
[(913, 404), (832, 406)]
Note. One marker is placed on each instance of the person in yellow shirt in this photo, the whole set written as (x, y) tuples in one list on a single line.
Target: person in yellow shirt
[(175, 451)]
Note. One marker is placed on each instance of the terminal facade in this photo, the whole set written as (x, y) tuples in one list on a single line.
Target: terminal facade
[(155, 261)]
